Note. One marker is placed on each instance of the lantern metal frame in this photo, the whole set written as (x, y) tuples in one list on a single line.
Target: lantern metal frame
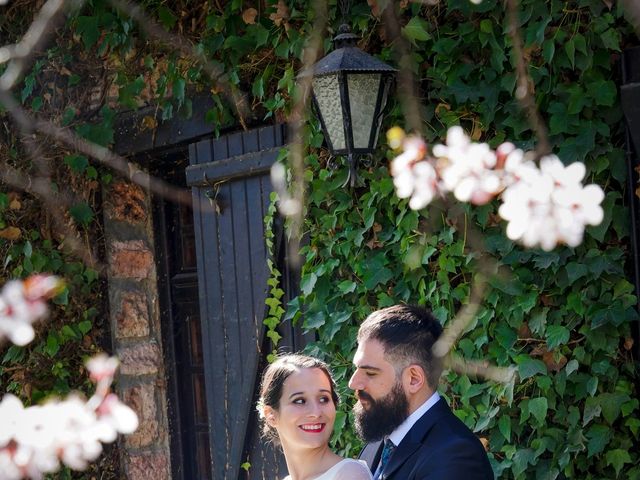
[(347, 60)]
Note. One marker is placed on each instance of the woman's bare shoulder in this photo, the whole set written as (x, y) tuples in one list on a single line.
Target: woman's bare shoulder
[(353, 470)]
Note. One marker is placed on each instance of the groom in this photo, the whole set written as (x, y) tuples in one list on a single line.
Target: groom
[(411, 431)]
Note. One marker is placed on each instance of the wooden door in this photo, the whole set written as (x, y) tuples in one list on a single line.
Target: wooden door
[(229, 177)]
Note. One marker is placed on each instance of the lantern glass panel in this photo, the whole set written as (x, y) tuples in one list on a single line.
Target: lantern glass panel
[(363, 95), (327, 93)]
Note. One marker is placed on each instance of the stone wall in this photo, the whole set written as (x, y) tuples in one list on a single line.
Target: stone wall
[(135, 327)]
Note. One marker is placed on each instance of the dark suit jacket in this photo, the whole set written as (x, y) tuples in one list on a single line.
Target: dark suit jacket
[(438, 447)]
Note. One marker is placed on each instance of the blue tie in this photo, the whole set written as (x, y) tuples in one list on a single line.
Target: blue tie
[(387, 451)]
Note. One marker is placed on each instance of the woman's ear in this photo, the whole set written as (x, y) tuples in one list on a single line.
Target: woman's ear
[(270, 416), (413, 378)]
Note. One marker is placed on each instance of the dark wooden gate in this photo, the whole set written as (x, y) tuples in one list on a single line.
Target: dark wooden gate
[(230, 184)]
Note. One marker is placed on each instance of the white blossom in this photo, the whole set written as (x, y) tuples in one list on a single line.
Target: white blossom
[(413, 176), (467, 168), (24, 302), (548, 206), (544, 205), (36, 440)]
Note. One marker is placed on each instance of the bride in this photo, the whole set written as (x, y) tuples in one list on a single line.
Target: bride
[(297, 404)]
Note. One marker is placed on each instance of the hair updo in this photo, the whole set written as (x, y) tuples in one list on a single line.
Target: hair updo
[(273, 380)]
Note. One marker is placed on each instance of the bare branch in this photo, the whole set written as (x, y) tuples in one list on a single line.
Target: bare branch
[(39, 34), (632, 13), (104, 155), (406, 82), (294, 203), (41, 187), (524, 82), (462, 320), (482, 369)]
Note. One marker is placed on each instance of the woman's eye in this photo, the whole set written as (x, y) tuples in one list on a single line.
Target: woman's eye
[(299, 401), (324, 399)]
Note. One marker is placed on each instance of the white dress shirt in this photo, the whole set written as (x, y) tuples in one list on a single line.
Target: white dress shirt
[(399, 433)]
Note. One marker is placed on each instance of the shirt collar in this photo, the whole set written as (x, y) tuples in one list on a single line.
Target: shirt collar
[(399, 433)]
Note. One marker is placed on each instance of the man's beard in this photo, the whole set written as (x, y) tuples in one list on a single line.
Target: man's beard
[(382, 416)]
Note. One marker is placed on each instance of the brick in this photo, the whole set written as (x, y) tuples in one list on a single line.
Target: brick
[(130, 259), (128, 202), (148, 466), (142, 399), (141, 359), (133, 318)]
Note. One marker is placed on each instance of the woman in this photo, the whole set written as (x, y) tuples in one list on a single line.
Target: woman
[(297, 404)]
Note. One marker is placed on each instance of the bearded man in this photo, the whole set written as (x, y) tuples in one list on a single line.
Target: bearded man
[(411, 432)]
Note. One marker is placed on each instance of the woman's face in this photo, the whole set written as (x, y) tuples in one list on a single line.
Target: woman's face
[(307, 412)]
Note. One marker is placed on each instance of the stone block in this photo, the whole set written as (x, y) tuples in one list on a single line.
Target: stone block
[(130, 259), (145, 466), (128, 202), (141, 399), (132, 320), (140, 359)]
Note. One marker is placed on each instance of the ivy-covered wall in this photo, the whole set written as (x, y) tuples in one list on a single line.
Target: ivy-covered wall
[(562, 317)]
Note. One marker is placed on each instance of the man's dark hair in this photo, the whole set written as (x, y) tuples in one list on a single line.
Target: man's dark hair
[(407, 333)]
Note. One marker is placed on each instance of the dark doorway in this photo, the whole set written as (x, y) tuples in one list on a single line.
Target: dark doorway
[(182, 337)]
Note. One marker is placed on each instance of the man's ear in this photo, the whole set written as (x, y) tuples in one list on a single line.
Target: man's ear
[(413, 378)]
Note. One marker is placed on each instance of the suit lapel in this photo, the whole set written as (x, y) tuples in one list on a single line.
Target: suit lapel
[(415, 438), (371, 454)]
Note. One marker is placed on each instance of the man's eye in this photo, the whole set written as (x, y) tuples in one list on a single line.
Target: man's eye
[(370, 374)]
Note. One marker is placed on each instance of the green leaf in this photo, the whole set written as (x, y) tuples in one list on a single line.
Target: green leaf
[(538, 407), (548, 50), (377, 277), (81, 213), (611, 39), (347, 286), (557, 335), (78, 163), (504, 425), (166, 17), (599, 436), (52, 346), (570, 50), (88, 29), (611, 404), (416, 30), (84, 326), (592, 410), (528, 367), (617, 459)]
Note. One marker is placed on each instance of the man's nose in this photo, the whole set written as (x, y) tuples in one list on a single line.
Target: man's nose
[(354, 382)]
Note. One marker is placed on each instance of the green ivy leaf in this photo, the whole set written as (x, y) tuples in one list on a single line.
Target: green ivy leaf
[(538, 407), (52, 346), (617, 459), (416, 29), (528, 367), (557, 335), (81, 213)]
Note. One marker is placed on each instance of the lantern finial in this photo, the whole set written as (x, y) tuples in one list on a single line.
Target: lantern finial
[(345, 38)]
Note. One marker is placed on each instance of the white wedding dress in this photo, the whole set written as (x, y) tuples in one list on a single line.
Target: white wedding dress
[(347, 469)]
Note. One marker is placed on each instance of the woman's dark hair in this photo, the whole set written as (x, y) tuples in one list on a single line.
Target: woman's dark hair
[(273, 380)]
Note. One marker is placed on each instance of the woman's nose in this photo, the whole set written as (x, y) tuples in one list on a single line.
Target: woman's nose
[(315, 408)]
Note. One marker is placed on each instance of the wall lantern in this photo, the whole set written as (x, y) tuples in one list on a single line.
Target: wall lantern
[(350, 89)]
